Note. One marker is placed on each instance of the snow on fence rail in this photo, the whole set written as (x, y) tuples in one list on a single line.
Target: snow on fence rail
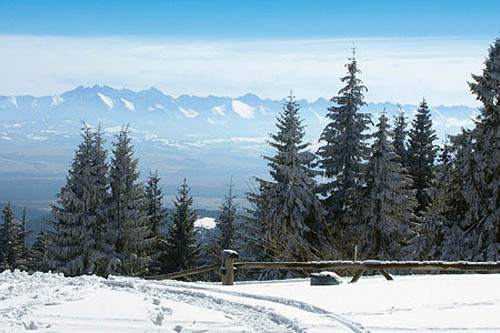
[(229, 264)]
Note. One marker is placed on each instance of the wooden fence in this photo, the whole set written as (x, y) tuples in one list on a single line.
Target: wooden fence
[(359, 267)]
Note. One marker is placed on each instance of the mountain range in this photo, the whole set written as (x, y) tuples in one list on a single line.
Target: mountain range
[(204, 139)]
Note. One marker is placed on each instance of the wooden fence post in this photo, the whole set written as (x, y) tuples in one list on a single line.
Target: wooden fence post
[(227, 269)]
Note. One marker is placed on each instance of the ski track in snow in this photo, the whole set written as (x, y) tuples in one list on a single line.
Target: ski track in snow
[(34, 291), (351, 325), (260, 319), (28, 294)]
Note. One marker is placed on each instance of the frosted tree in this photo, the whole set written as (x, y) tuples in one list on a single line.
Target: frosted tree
[(257, 221), (446, 226), (39, 252), (399, 136), (483, 196), (226, 221), (182, 247), (224, 235), (76, 242), (421, 156), (433, 220), (157, 222), (8, 233), (387, 204), (296, 214), (344, 150), (128, 231)]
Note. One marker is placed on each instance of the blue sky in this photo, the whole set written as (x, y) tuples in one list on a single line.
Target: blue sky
[(406, 49), (217, 19)]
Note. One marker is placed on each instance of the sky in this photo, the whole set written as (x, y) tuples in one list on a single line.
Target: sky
[(406, 49)]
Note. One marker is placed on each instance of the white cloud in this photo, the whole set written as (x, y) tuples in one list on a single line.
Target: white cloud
[(397, 69), (242, 109)]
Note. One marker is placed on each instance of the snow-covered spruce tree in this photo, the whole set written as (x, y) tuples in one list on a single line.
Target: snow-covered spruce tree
[(428, 244), (157, 221), (399, 136), (39, 252), (296, 214), (344, 152), (444, 225), (128, 231), (8, 257), (226, 222), (257, 222), (182, 247), (76, 242), (387, 202), (484, 196), (20, 247), (421, 155), (223, 236)]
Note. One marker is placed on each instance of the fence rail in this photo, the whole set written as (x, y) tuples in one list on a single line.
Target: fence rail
[(359, 267)]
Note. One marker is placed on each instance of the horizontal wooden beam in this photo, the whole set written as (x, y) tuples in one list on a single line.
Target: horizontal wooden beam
[(458, 266), (181, 274), (422, 266)]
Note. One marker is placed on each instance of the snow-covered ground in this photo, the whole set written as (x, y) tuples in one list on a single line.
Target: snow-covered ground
[(422, 303)]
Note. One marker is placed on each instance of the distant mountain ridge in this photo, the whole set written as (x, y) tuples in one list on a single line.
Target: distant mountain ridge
[(205, 139)]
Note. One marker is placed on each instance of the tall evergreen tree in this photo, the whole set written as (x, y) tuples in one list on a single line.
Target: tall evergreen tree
[(224, 235), (484, 196), (20, 243), (256, 238), (445, 224), (76, 243), (8, 235), (157, 221), (128, 231), (226, 222), (345, 150), (421, 155), (182, 246), (399, 136), (39, 252), (387, 208), (296, 213)]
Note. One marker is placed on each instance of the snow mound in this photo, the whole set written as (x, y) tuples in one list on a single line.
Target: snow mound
[(205, 222)]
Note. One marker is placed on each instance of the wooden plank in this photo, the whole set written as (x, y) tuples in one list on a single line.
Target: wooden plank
[(377, 265), (386, 275), (185, 273), (356, 276)]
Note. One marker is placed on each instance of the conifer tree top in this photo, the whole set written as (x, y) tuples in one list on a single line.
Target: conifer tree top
[(486, 87)]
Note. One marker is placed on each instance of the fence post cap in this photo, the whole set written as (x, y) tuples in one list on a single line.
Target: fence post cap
[(226, 254)]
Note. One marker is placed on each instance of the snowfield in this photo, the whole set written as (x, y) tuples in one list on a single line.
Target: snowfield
[(421, 303)]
